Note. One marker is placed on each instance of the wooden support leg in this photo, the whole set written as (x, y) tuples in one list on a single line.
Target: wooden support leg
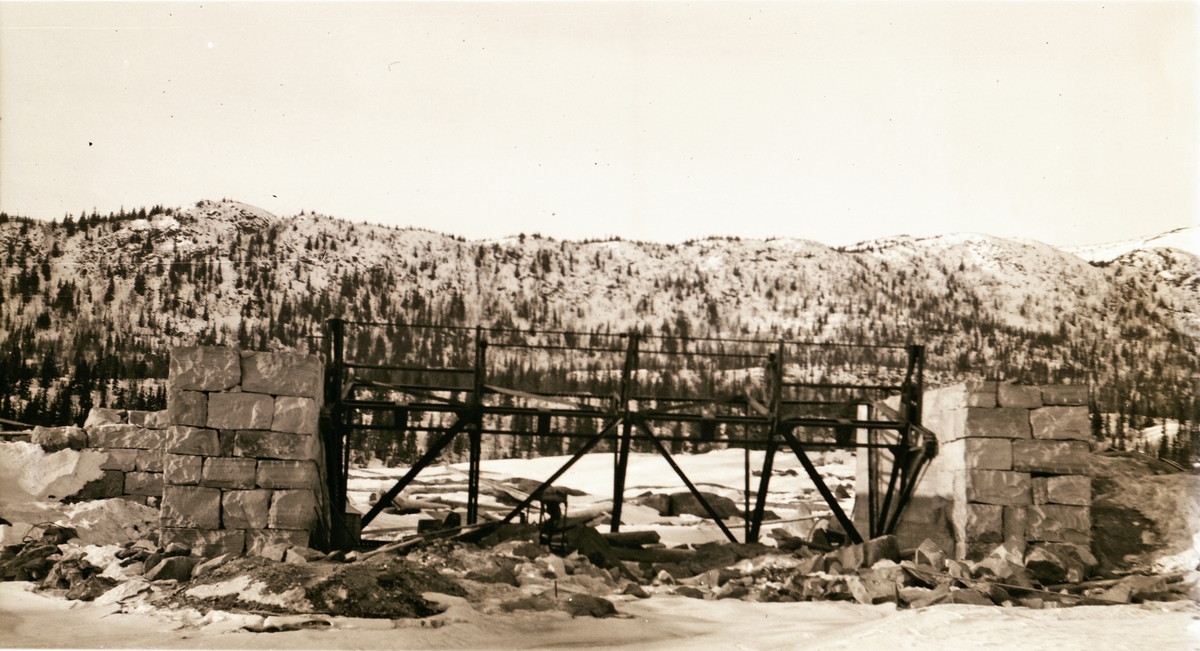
[(841, 516), (426, 459), (691, 487)]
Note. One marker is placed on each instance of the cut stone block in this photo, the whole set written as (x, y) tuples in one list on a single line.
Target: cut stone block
[(240, 411), (144, 483), (101, 416), (1073, 490), (293, 509), (998, 487), (136, 417), (276, 445), (124, 436), (206, 543), (204, 368), (282, 374), (150, 460), (1021, 397), (296, 415), (245, 509), (257, 540), (1065, 395), (53, 439), (1059, 523), (985, 524), (228, 472), (179, 469), (1051, 456), (110, 484), (998, 423), (192, 440), (1016, 520), (124, 460), (287, 474), (988, 454), (158, 420), (1061, 423), (228, 438), (191, 507), (187, 408)]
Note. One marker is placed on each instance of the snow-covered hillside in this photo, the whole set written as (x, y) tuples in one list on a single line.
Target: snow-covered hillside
[(115, 292)]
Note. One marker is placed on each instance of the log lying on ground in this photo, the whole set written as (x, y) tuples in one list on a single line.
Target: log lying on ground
[(632, 539)]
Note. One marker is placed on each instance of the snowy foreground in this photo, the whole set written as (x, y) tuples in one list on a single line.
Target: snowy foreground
[(32, 620), (28, 620)]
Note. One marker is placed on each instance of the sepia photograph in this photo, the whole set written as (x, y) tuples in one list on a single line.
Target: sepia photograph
[(653, 325)]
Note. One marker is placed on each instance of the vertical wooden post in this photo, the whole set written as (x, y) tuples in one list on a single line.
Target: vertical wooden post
[(774, 375), (622, 460), (475, 433)]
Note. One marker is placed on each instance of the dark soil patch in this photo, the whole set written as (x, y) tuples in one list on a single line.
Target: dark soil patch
[(1117, 533), (389, 590)]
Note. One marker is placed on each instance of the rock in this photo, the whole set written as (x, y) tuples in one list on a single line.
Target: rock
[(731, 591), (635, 590), (1016, 523), (100, 416), (240, 411), (276, 445), (997, 423), (53, 439), (985, 526), (292, 509), (493, 574), (182, 439), (123, 591), (275, 552), (187, 408), (583, 605), (687, 504), (124, 436), (283, 374), (970, 597), (143, 483), (536, 603), (211, 564), (928, 553), (257, 540), (292, 558), (910, 594), (207, 543), (999, 487), (1133, 586), (1017, 396), (664, 578), (183, 470), (286, 474), (1074, 490), (1051, 456), (1065, 395), (987, 454), (1059, 523), (150, 460), (192, 507), (174, 567), (850, 557), (307, 553), (938, 595), (295, 415), (1045, 566), (204, 368), (245, 509), (124, 460), (657, 501), (229, 472), (689, 591), (110, 484), (91, 588), (1061, 423), (177, 549)]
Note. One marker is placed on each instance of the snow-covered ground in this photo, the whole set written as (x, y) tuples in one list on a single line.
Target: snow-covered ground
[(792, 494), (30, 620)]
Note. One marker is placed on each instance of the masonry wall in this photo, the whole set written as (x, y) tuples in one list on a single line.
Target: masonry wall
[(243, 458), (134, 442), (1012, 464)]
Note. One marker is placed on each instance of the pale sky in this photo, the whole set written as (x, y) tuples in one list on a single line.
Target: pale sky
[(1070, 123)]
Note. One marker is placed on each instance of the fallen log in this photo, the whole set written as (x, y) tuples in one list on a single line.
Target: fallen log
[(631, 539), (654, 555), (1045, 594)]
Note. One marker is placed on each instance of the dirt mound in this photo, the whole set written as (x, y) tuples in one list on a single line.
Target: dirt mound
[(1145, 513), (388, 589)]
